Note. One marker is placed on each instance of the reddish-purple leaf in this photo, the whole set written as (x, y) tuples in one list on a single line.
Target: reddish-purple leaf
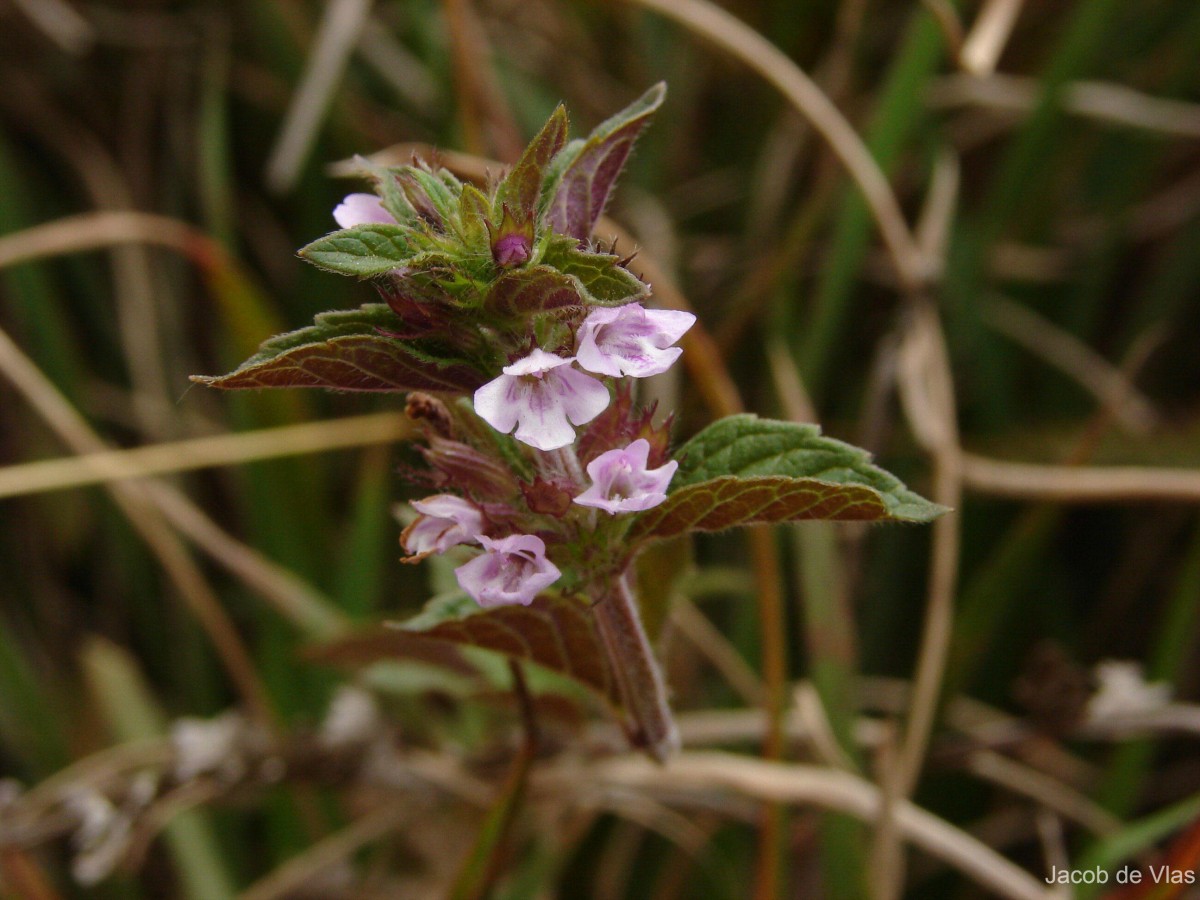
[(372, 645), (743, 470), (555, 632), (602, 280), (415, 301), (537, 289), (349, 351), (588, 177), (521, 188), (357, 363), (732, 501)]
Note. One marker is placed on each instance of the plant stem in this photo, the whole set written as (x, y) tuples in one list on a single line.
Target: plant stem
[(566, 462), (639, 678)]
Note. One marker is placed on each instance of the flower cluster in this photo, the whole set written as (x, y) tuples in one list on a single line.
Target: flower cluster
[(539, 396), (542, 395), (550, 325), (518, 341)]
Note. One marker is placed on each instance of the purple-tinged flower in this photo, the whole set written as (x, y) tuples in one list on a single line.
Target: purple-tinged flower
[(361, 209), (512, 240), (541, 396), (622, 483), (511, 570), (445, 521), (511, 250), (630, 340)]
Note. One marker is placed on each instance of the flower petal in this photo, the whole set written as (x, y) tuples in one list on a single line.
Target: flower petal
[(630, 340), (511, 570), (543, 422), (538, 362), (622, 483), (582, 396), (446, 520), (498, 402), (541, 395), (361, 209)]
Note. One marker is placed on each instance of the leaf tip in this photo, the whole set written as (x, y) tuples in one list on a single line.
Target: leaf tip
[(916, 510)]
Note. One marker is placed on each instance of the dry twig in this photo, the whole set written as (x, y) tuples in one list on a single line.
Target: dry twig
[(775, 782), (201, 453)]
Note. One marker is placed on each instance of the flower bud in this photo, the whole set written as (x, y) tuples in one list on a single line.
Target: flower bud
[(512, 241), (549, 498), (446, 521), (421, 407), (467, 469)]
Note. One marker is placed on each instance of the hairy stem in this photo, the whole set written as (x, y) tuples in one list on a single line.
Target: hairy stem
[(565, 462), (639, 678)]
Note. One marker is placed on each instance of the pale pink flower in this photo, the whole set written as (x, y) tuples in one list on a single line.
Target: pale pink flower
[(511, 570), (361, 209), (541, 396), (630, 340), (445, 521), (622, 483)]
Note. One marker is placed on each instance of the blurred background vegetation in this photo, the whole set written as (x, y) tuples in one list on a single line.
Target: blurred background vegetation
[(159, 164)]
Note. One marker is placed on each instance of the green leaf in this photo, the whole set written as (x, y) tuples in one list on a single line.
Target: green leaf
[(744, 470), (363, 250), (473, 213), (585, 172), (555, 632), (391, 195), (349, 350), (433, 195), (532, 290), (520, 189), (453, 277), (601, 277)]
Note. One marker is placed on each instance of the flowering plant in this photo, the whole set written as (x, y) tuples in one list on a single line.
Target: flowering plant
[(517, 340)]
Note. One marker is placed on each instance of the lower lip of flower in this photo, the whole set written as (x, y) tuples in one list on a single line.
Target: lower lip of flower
[(511, 250)]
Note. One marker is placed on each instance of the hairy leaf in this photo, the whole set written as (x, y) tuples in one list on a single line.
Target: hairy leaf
[(520, 189), (744, 470), (605, 282), (555, 632), (434, 195), (391, 196), (349, 351), (363, 250), (473, 212), (586, 171), (532, 290), (455, 279), (373, 645)]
